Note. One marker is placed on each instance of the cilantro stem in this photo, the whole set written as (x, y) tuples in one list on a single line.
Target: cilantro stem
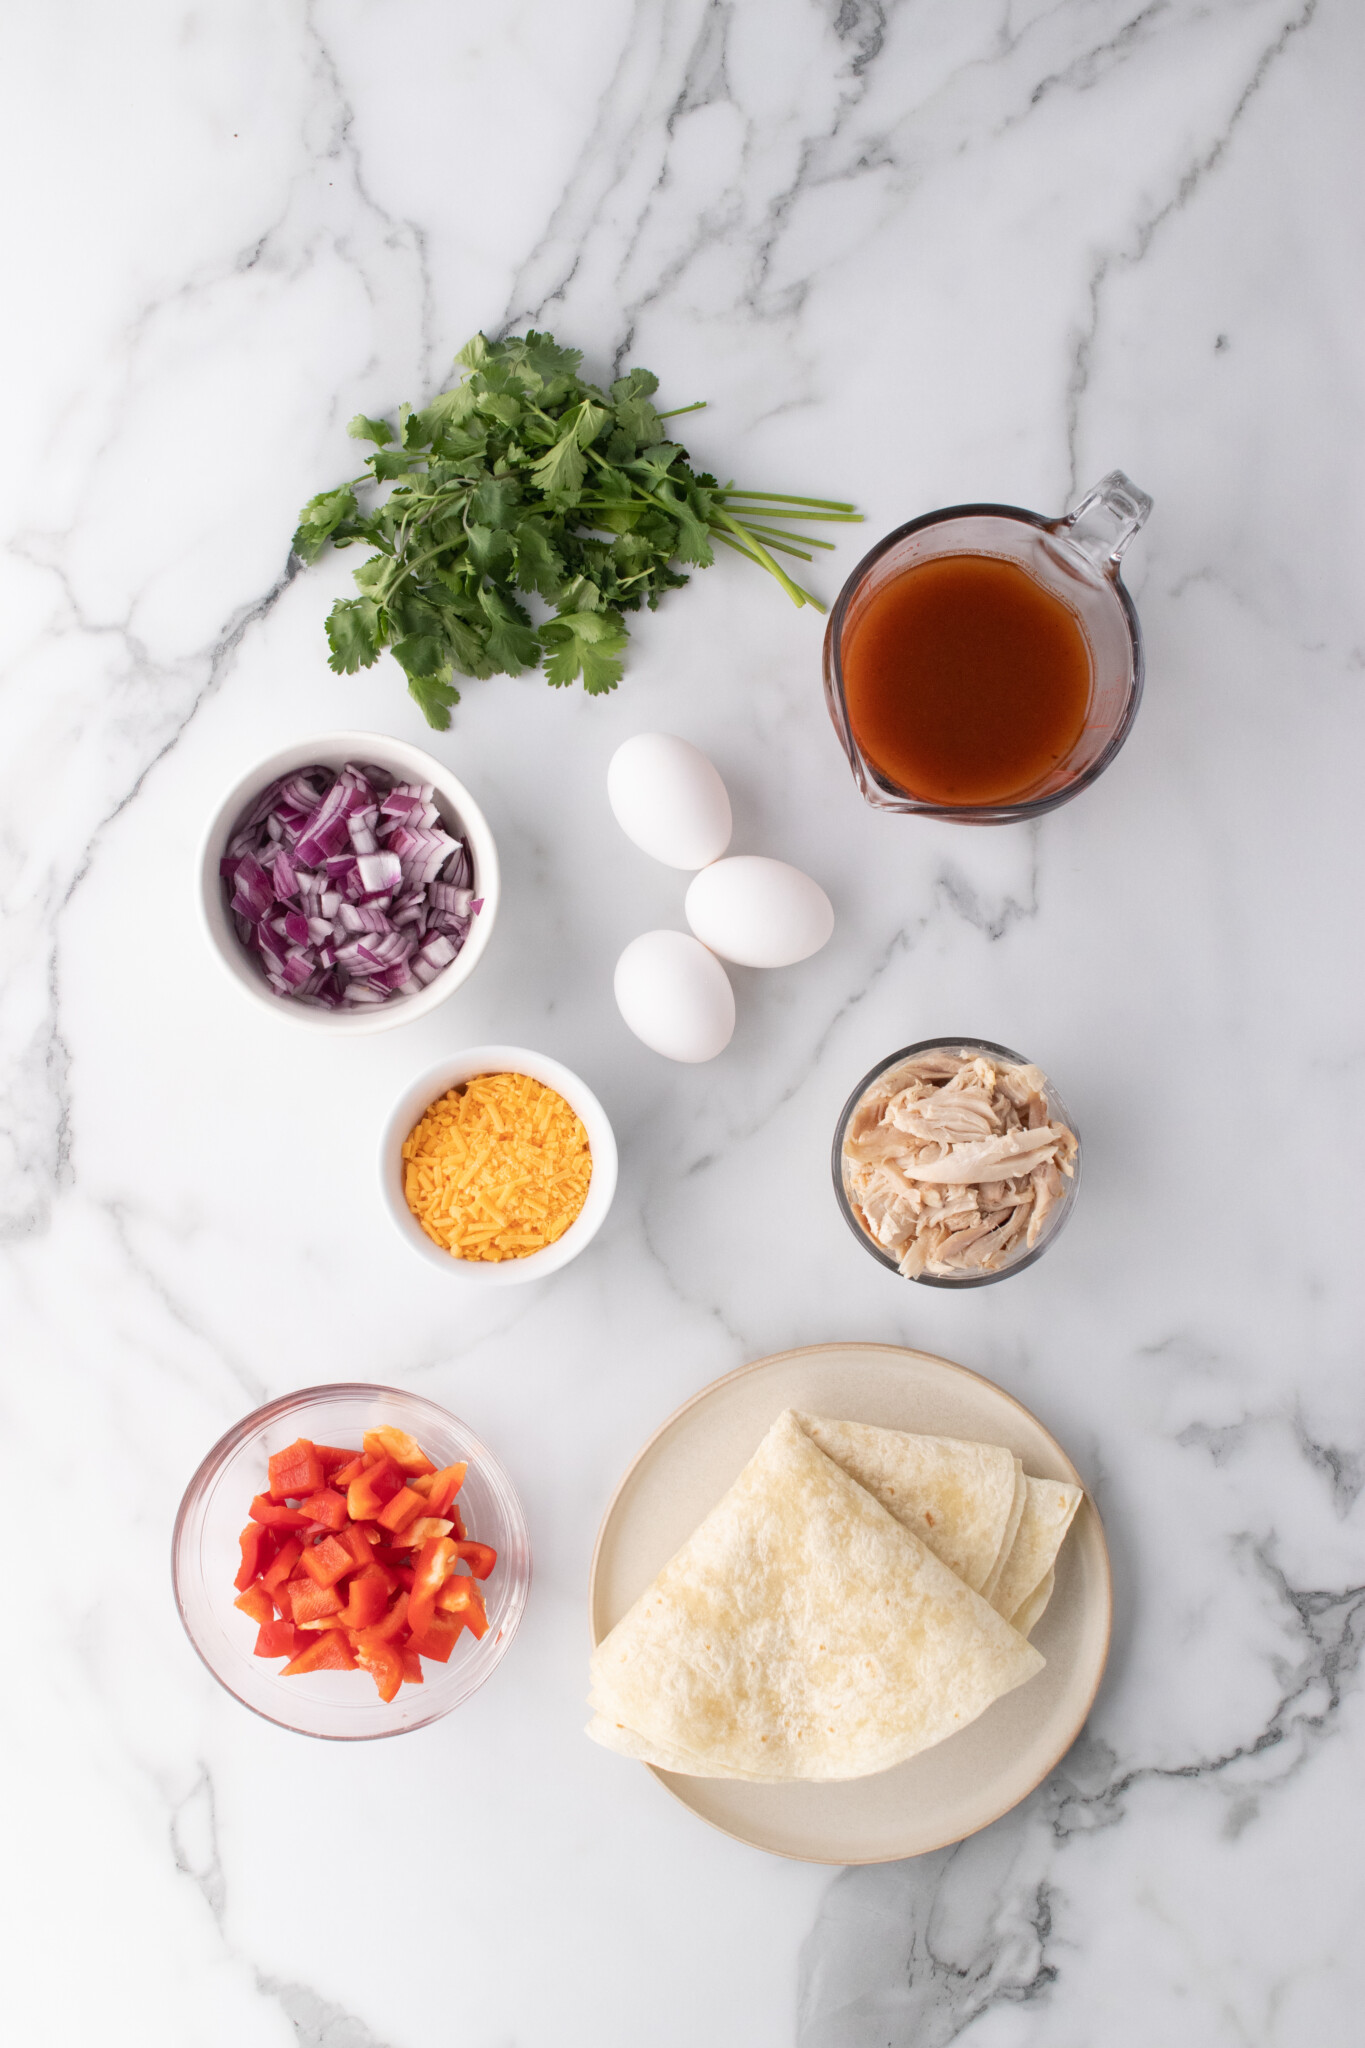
[(697, 405), (785, 498), (772, 535), (411, 568), (806, 596), (759, 511), (759, 553), (782, 547)]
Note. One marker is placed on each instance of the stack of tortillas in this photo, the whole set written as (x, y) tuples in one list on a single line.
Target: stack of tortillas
[(858, 1595)]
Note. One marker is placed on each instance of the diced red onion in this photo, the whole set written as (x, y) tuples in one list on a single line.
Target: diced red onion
[(445, 896), (379, 872), (348, 887)]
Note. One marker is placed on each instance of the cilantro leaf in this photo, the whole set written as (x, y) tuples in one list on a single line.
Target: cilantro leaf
[(388, 463), (362, 429), (511, 642), (637, 423), (494, 502), (436, 695), (501, 408), (491, 551), (319, 520), (692, 544), (634, 385), (561, 472), (353, 634), (539, 567), (423, 655), (654, 463), (468, 644), (447, 414), (586, 643), (543, 354), (591, 420)]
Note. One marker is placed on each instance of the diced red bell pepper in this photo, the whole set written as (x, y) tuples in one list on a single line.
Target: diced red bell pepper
[(271, 1516), (258, 1547), (382, 1659), (330, 1652), (397, 1445), (480, 1557), (361, 1548), (257, 1603), (395, 1621), (444, 1487), (277, 1639), (328, 1561), (367, 1493), (327, 1508), (310, 1602), (369, 1598), (288, 1555), (460, 1601), (419, 1532), (434, 1563), (296, 1471), (386, 1521), (404, 1507), (438, 1638)]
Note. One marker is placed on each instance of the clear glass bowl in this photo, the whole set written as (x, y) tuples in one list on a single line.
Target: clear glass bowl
[(1058, 1216), (342, 1706)]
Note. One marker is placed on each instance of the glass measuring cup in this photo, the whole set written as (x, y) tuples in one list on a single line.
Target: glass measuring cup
[(1076, 558)]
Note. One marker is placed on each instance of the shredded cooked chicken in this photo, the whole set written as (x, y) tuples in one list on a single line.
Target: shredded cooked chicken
[(953, 1165)]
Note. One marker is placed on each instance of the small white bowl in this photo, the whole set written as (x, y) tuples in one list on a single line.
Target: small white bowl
[(413, 1104), (459, 813)]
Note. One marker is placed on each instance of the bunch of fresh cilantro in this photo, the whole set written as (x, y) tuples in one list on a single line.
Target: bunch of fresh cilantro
[(523, 481)]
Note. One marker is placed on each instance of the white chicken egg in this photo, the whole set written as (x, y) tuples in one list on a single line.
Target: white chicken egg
[(757, 912), (675, 996), (669, 799)]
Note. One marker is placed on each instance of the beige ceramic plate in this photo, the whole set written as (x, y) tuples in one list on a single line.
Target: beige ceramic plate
[(964, 1783)]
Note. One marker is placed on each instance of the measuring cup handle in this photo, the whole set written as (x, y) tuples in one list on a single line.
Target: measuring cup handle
[(1106, 519)]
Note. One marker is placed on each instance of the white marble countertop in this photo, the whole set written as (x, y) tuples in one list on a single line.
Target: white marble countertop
[(912, 253)]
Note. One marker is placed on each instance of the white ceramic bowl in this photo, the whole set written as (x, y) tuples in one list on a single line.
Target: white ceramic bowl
[(458, 811), (463, 1066)]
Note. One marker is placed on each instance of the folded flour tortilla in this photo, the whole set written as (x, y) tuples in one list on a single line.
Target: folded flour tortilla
[(959, 1498), (802, 1632), (1049, 1511), (972, 1504), (1031, 1613)]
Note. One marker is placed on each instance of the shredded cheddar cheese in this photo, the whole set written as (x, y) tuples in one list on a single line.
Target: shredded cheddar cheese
[(497, 1169)]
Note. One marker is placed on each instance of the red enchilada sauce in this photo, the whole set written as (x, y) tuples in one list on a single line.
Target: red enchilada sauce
[(965, 680)]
